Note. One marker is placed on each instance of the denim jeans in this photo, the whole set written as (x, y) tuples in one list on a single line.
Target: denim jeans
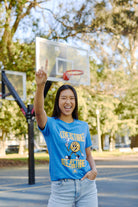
[(73, 193)]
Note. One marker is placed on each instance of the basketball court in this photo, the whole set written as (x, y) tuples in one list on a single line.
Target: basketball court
[(117, 184)]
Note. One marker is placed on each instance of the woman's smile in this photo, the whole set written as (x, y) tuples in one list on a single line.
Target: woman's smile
[(66, 102)]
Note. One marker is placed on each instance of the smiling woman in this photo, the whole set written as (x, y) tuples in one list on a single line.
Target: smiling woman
[(67, 98), (66, 105), (72, 168)]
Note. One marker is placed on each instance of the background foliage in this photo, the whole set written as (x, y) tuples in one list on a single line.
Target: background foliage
[(109, 29)]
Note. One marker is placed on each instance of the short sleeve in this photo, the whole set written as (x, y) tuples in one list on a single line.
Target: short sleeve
[(88, 138), (45, 131)]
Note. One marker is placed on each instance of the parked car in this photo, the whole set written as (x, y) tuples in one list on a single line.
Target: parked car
[(39, 150), (11, 149), (122, 145), (94, 148)]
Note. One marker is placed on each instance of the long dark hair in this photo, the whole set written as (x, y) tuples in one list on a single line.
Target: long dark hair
[(56, 110)]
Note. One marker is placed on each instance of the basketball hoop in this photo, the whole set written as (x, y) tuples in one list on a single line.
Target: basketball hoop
[(69, 73), (66, 63)]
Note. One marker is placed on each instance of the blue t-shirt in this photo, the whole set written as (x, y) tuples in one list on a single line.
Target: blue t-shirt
[(66, 144)]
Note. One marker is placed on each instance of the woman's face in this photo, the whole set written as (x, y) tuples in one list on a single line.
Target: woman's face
[(67, 102)]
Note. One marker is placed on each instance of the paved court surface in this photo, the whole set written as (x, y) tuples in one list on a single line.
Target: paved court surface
[(117, 184)]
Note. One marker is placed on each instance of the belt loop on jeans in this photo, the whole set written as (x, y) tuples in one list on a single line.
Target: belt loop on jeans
[(66, 180)]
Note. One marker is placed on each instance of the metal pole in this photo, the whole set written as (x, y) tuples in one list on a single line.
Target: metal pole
[(3, 85), (31, 162), (29, 114), (99, 132)]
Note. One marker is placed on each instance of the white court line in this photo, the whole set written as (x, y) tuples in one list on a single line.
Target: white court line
[(117, 195), (12, 177), (119, 176), (26, 188), (20, 177), (116, 166)]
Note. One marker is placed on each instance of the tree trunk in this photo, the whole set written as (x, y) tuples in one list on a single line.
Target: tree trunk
[(102, 140), (111, 144), (21, 146), (3, 145)]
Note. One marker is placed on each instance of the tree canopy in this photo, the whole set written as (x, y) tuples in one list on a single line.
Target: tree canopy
[(109, 29)]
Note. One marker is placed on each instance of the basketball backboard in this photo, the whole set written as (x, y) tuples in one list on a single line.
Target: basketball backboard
[(63, 60), (18, 80)]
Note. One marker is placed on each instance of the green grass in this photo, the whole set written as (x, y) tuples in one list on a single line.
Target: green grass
[(22, 160), (16, 160), (45, 156), (115, 153), (25, 156), (41, 156)]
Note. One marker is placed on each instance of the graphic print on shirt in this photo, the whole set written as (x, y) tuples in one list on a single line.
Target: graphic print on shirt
[(74, 148), (74, 158)]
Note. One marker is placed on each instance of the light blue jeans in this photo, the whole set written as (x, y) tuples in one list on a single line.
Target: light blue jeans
[(73, 193)]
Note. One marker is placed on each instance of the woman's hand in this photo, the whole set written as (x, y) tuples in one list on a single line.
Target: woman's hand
[(41, 75), (91, 175)]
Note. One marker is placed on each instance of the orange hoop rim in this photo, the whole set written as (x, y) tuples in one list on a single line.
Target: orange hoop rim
[(78, 72), (68, 73)]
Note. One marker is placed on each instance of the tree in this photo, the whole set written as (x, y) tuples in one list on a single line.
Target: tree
[(5, 124), (109, 28), (96, 97), (127, 109), (19, 128), (17, 54)]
